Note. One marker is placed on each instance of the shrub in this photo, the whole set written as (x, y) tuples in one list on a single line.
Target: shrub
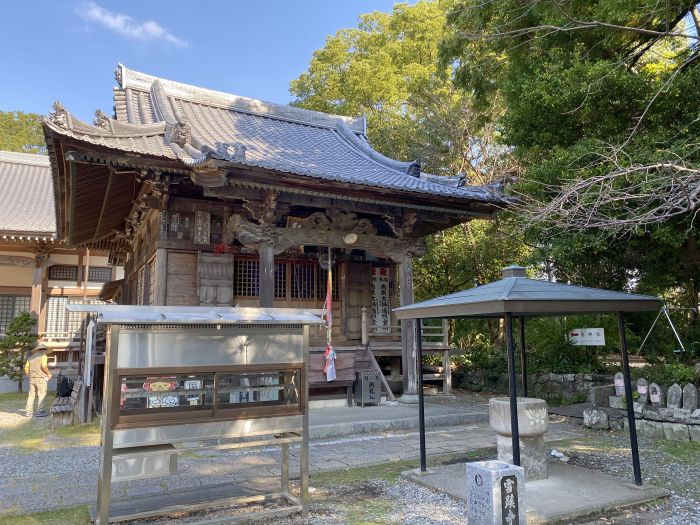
[(665, 374), (15, 346)]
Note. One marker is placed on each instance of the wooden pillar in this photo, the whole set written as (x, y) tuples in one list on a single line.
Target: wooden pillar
[(408, 328), (37, 285), (266, 275), (161, 278)]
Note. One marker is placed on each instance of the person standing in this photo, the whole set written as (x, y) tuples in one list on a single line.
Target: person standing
[(37, 369)]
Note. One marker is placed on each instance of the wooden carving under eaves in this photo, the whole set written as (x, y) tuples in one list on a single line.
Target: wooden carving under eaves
[(334, 220), (402, 226), (267, 211), (253, 235)]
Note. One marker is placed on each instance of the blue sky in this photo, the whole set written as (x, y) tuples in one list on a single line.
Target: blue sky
[(66, 50)]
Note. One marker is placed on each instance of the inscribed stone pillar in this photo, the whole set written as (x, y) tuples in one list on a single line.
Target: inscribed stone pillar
[(37, 291), (267, 274), (409, 351)]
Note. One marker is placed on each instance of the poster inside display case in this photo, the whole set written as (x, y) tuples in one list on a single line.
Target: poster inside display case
[(209, 394)]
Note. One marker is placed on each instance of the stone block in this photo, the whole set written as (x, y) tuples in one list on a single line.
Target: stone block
[(599, 395), (570, 377), (597, 419), (495, 493), (676, 432), (694, 432), (681, 415), (652, 429), (615, 402), (617, 423), (588, 377)]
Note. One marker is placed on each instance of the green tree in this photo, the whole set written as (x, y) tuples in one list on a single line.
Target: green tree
[(21, 132), (600, 106), (14, 347), (387, 69)]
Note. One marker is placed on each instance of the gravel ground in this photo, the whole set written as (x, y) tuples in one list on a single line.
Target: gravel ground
[(377, 499)]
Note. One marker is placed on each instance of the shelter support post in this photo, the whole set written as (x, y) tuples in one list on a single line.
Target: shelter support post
[(510, 347), (409, 342), (629, 401), (523, 363), (421, 396), (267, 274)]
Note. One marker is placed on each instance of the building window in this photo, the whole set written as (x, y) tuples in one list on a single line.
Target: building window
[(294, 279), (63, 272), (60, 321), (99, 274), (10, 306), (245, 277), (281, 281), (303, 280)]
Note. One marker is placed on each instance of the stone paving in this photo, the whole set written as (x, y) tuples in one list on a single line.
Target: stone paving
[(68, 476)]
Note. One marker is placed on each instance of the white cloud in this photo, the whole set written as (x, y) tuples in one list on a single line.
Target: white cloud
[(126, 26)]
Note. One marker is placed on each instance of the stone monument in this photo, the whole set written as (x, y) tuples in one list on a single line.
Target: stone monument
[(674, 396), (533, 422), (656, 395), (619, 384), (690, 397), (643, 389), (495, 493)]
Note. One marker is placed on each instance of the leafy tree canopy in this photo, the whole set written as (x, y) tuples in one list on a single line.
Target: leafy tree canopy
[(21, 132)]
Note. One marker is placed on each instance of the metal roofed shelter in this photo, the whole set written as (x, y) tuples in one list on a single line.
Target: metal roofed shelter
[(193, 378), (515, 295)]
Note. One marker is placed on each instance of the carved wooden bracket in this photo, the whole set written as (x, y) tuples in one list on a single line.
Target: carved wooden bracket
[(402, 226), (252, 235), (334, 220), (267, 211)]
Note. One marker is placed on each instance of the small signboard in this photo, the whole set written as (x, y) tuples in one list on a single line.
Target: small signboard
[(587, 337)]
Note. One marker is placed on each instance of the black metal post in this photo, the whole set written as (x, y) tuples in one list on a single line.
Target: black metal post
[(523, 364), (628, 398), (512, 383), (421, 398)]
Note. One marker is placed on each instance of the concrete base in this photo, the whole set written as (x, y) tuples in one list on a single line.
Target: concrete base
[(568, 494), (347, 421), (533, 455), (409, 399)]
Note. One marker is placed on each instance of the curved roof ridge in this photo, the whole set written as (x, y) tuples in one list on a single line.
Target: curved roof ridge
[(131, 79), (63, 120), (16, 157), (360, 143)]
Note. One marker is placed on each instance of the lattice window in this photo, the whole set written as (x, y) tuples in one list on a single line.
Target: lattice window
[(246, 278), (99, 274), (303, 280), (63, 272), (10, 306), (60, 321), (281, 281), (323, 279), (152, 281), (140, 283)]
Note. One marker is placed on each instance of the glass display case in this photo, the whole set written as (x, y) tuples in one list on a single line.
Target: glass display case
[(217, 394), (184, 379)]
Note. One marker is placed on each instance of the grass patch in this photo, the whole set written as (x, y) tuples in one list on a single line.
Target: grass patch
[(70, 516), (368, 512), (683, 451), (14, 397), (392, 471)]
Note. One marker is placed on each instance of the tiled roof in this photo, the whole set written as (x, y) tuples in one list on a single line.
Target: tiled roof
[(26, 195), (177, 121)]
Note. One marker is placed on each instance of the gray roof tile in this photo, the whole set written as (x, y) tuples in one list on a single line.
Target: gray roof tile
[(26, 198), (275, 137)]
